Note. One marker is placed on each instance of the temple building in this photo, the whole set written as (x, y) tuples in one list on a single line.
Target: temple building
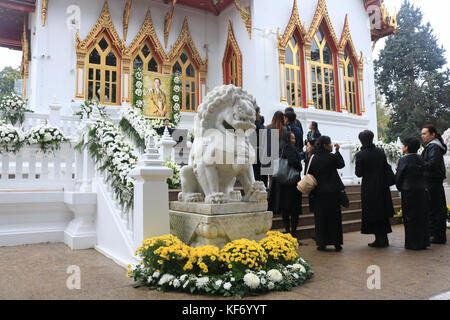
[(313, 55)]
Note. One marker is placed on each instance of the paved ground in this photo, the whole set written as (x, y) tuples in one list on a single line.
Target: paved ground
[(39, 272)]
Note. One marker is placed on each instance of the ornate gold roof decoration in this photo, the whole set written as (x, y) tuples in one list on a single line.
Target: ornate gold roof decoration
[(232, 45), (320, 15), (185, 41), (382, 26), (25, 51), (44, 9), (346, 40), (126, 18), (293, 25), (104, 23), (147, 31), (168, 22), (246, 16)]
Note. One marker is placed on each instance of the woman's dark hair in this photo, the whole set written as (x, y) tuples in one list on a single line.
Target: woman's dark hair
[(366, 138), (166, 119), (262, 120), (315, 125), (432, 130), (289, 109), (291, 116), (277, 121), (321, 143), (413, 144)]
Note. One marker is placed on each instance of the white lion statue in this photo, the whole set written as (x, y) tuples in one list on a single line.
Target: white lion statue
[(227, 114)]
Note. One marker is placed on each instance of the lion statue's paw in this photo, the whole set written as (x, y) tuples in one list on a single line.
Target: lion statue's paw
[(257, 192), (235, 196), (216, 198), (190, 197)]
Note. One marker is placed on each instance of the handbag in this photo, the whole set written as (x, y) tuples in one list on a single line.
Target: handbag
[(345, 202), (390, 175), (286, 175), (308, 183)]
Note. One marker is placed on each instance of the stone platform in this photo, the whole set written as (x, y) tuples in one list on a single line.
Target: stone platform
[(199, 224)]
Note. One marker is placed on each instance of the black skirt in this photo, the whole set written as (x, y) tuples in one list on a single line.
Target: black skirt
[(382, 226), (284, 198), (328, 219), (415, 218)]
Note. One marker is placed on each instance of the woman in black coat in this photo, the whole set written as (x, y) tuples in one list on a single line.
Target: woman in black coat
[(289, 198), (327, 201), (410, 181), (377, 207), (435, 174)]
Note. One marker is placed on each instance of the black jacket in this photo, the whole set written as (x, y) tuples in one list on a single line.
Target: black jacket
[(433, 157), (324, 167), (290, 153), (313, 135), (371, 165), (410, 173)]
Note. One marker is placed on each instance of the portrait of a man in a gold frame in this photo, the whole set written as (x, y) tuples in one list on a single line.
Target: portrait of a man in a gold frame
[(157, 102)]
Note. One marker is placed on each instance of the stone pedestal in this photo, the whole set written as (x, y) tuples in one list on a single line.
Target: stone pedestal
[(200, 224)]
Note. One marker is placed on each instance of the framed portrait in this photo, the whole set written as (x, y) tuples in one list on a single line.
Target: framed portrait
[(157, 102)]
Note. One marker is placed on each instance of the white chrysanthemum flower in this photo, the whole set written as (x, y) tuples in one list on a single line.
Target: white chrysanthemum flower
[(156, 274), (176, 98), (177, 80), (275, 275), (227, 286), (165, 279), (176, 283), (271, 285), (139, 84), (251, 280), (201, 282), (176, 89), (219, 283)]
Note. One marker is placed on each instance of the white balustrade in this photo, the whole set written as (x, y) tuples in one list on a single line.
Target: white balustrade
[(31, 169)]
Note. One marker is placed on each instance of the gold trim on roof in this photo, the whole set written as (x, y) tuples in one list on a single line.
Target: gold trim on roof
[(346, 39), (185, 40), (44, 10), (104, 22), (126, 18), (25, 63), (320, 15), (294, 24), (232, 43), (246, 16), (168, 22)]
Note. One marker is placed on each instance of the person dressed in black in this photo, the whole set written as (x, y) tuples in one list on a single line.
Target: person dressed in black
[(327, 203), (290, 117), (314, 132), (377, 208), (289, 198), (306, 156), (259, 123), (433, 157), (410, 181), (161, 130), (296, 122)]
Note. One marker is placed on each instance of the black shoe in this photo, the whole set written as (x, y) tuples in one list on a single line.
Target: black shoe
[(374, 244), (322, 248), (434, 240), (338, 248)]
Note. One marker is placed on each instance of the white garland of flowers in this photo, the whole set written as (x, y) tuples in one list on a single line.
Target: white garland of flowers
[(393, 151), (13, 108), (49, 138), (11, 138)]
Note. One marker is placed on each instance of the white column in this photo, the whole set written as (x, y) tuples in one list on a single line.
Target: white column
[(81, 232), (151, 196), (348, 172), (166, 145)]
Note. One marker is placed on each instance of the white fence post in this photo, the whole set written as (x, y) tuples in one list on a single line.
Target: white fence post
[(166, 144), (348, 172), (151, 196), (55, 115)]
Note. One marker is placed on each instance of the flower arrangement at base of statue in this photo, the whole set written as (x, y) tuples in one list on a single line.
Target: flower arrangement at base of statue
[(241, 268), (49, 138), (11, 138), (13, 108)]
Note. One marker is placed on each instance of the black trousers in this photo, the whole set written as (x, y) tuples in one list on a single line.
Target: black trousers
[(438, 210)]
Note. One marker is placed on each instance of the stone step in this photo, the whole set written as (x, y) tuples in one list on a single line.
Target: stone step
[(308, 232)]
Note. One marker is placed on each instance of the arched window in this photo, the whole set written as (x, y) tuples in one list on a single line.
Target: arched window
[(146, 60), (188, 72), (231, 69), (292, 68), (103, 72), (322, 72), (232, 61), (350, 84)]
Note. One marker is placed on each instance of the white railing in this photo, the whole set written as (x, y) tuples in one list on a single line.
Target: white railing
[(33, 120), (31, 169)]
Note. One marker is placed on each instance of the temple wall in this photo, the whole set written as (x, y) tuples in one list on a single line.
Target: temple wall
[(53, 63)]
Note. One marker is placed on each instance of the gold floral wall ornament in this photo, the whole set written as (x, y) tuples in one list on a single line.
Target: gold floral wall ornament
[(346, 41), (185, 41), (168, 22), (293, 25), (126, 18), (44, 9), (232, 54), (246, 16), (25, 62)]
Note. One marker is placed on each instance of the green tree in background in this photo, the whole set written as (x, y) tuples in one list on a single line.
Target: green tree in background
[(383, 117), (409, 74), (7, 77)]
